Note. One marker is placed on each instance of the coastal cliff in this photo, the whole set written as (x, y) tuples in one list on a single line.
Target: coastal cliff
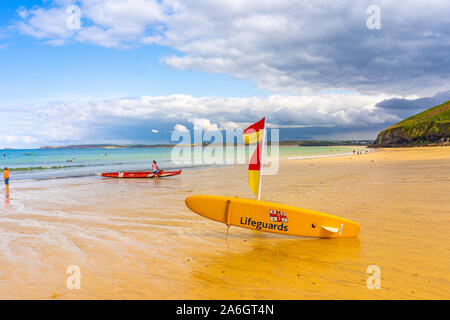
[(430, 127)]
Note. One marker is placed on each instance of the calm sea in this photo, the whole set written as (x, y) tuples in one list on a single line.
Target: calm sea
[(33, 164)]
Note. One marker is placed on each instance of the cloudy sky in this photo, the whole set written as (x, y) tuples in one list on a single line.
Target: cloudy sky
[(130, 71)]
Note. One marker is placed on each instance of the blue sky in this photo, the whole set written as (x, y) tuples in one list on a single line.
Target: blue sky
[(32, 69), (316, 69)]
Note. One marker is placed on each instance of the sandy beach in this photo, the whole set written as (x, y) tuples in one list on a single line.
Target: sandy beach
[(135, 239)]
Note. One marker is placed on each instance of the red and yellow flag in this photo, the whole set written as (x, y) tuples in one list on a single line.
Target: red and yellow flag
[(255, 132), (254, 170), (252, 134)]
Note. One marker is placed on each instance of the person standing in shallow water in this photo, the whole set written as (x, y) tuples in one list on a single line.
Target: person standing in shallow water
[(6, 179)]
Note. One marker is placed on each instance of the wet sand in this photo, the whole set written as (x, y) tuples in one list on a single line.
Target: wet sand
[(135, 239)]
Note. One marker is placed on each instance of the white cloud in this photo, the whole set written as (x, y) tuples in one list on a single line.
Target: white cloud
[(229, 125), (208, 112), (180, 128), (45, 23), (99, 120), (15, 139), (110, 23), (204, 124)]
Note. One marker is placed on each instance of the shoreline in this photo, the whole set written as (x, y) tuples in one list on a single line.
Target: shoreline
[(332, 155), (62, 170)]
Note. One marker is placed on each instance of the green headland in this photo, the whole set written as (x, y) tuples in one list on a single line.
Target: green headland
[(430, 127)]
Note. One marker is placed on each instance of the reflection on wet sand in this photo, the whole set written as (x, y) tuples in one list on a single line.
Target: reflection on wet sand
[(6, 203), (270, 266)]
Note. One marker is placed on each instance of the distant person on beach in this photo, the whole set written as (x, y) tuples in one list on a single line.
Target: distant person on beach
[(6, 178)]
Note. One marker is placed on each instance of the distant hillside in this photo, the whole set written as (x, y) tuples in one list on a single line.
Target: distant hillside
[(431, 127), (327, 143)]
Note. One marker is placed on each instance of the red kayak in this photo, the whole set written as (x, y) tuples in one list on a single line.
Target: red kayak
[(140, 174)]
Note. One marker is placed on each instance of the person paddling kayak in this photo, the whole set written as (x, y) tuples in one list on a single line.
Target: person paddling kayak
[(155, 169)]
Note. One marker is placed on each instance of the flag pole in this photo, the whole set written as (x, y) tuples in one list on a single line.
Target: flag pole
[(261, 160)]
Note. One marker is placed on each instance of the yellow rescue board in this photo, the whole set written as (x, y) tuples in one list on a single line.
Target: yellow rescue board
[(272, 217)]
